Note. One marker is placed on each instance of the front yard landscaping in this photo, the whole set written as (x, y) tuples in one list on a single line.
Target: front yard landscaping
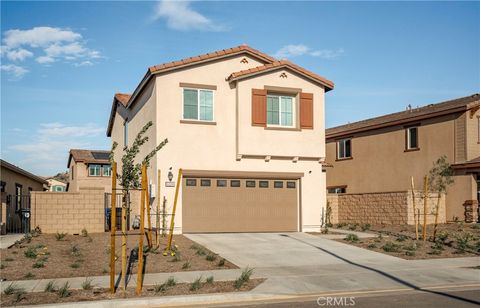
[(44, 256), (453, 240)]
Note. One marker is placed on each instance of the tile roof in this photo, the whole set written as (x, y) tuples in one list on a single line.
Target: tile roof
[(210, 56), (16, 169), (279, 64), (425, 112), (123, 98), (89, 156)]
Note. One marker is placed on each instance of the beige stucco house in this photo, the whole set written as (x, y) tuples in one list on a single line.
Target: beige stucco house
[(248, 132), (382, 154), (15, 187), (56, 185), (89, 169)]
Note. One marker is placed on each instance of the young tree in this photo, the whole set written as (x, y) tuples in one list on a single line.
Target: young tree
[(440, 177)]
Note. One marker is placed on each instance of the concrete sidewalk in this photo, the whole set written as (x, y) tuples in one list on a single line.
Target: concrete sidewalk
[(6, 241)]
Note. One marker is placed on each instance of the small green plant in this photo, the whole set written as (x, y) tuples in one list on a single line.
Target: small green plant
[(352, 238), (196, 284), (435, 252), (159, 288), (39, 246), (209, 279), (353, 227), (401, 238), (75, 250), (171, 282), (379, 238), (38, 264), (19, 295), (391, 247), (8, 259), (186, 265), (29, 275), (51, 287), (442, 236), (30, 253), (75, 265), (12, 288), (244, 278), (411, 247), (87, 284), (60, 236), (365, 227), (84, 232), (437, 246), (201, 252), (410, 253), (372, 245), (64, 291), (221, 262), (211, 257), (463, 241), (195, 247)]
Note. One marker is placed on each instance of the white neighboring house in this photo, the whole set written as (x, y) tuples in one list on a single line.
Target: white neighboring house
[(56, 185), (248, 132)]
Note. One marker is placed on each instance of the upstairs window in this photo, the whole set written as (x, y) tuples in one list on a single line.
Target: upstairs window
[(344, 149), (94, 170), (412, 138), (197, 104), (125, 133), (337, 190), (280, 110), (107, 170)]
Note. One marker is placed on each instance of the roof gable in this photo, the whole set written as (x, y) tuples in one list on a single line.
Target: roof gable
[(118, 98)]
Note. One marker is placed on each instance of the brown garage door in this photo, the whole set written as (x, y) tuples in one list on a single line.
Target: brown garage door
[(239, 205)]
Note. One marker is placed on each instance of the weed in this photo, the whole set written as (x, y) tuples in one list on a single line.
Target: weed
[(9, 259), (401, 238), (84, 232), (379, 238), (19, 295), (87, 284), (75, 265), (64, 291), (435, 252), (38, 264), (39, 246), (51, 287), (171, 282), (410, 253), (186, 265), (353, 227), (201, 252), (75, 250), (211, 258), (60, 236), (30, 253), (372, 245), (437, 246), (209, 279), (353, 238), (221, 262), (365, 227), (196, 284), (12, 288), (411, 247), (463, 241), (244, 278), (195, 247), (29, 275), (159, 288), (442, 236), (391, 247)]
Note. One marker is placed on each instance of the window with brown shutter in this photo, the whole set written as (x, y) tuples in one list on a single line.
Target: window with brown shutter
[(306, 110), (259, 107)]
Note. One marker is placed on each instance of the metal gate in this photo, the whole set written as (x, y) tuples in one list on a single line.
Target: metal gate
[(18, 213), (118, 211)]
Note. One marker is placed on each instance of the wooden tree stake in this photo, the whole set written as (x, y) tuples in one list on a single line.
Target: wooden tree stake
[(157, 239), (414, 210), (172, 220), (436, 217), (147, 204), (142, 231), (124, 240), (113, 226), (425, 210)]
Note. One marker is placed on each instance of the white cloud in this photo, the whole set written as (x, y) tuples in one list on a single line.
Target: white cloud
[(55, 43), (290, 51), (17, 72), (83, 63), (61, 130), (181, 16)]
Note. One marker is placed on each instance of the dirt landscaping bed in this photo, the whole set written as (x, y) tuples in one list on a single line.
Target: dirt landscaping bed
[(46, 256), (453, 240), (19, 297)]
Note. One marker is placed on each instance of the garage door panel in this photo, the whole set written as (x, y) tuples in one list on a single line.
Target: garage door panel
[(239, 209)]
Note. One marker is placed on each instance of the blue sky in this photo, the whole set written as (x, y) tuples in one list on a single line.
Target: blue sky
[(62, 61)]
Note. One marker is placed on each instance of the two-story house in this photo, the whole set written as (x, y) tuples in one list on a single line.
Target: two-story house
[(382, 154), (89, 169), (248, 132)]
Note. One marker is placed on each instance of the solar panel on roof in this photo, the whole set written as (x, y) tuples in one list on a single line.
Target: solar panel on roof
[(101, 155)]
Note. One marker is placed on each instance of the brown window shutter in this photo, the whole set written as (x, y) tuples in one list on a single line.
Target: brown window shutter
[(306, 110), (259, 107)]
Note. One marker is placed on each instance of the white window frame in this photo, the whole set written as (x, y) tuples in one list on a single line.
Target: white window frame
[(103, 170), (409, 136), (294, 111), (125, 132), (99, 172), (344, 149), (198, 104)]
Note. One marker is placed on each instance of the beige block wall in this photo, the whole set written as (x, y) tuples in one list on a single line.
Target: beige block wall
[(391, 208), (69, 211)]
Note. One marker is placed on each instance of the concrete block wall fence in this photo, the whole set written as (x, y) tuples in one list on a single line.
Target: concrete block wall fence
[(390, 208)]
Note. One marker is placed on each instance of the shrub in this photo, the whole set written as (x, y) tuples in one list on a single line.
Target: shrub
[(365, 227), (195, 247), (411, 247), (171, 282), (87, 284), (211, 258), (201, 252), (64, 291), (442, 236), (38, 264), (186, 265), (75, 250), (12, 288), (84, 232), (391, 247), (159, 288), (401, 238), (463, 241), (30, 253), (437, 246), (75, 265), (19, 295), (221, 262), (51, 287), (353, 238), (244, 278), (196, 284), (29, 275), (60, 236), (209, 279)]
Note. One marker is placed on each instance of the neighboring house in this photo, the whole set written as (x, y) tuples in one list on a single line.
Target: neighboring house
[(247, 130), (56, 185), (15, 187), (382, 154), (89, 169)]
